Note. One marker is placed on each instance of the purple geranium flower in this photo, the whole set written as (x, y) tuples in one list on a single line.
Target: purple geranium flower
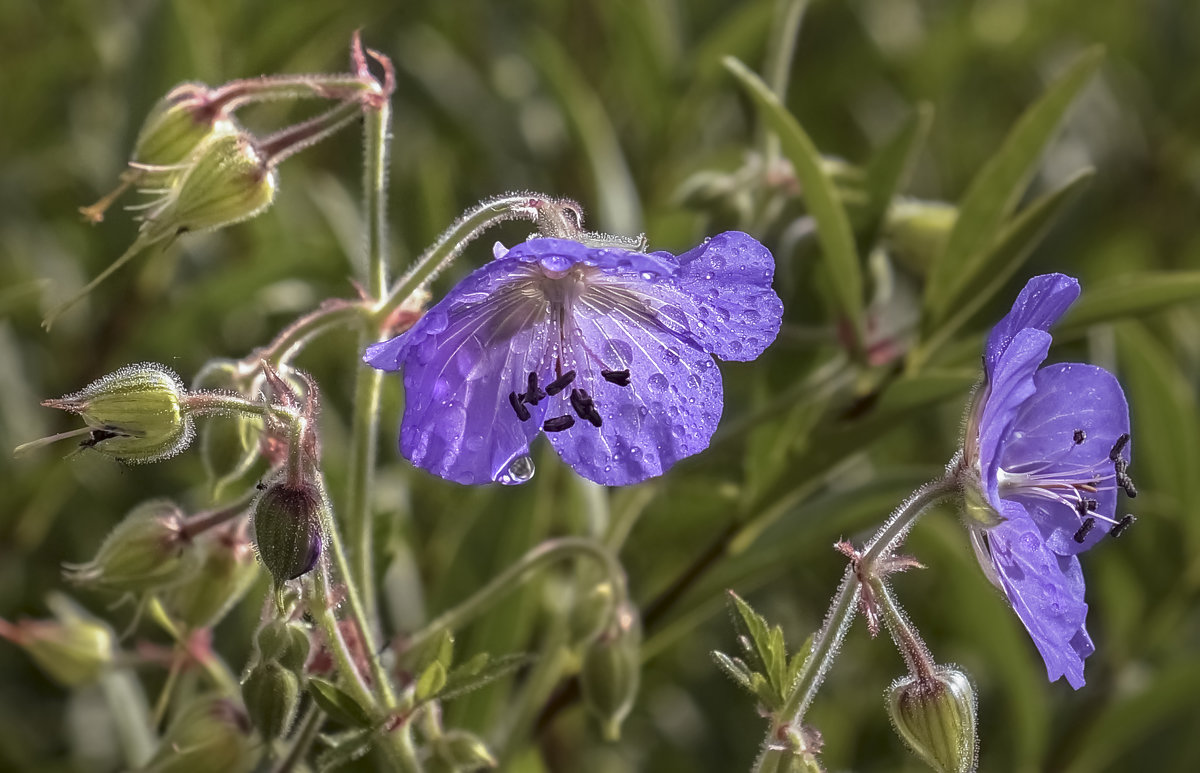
[(605, 350), (1050, 446)]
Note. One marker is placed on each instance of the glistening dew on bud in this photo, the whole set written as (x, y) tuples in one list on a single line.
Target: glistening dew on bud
[(935, 716), (612, 667), (149, 550), (73, 649), (137, 414), (287, 529)]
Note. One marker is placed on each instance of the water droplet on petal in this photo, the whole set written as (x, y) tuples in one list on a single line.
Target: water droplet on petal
[(648, 275), (658, 382), (709, 275), (519, 470), (635, 454)]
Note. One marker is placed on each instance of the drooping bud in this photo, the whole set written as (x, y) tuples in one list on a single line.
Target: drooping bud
[(225, 572), (592, 614), (148, 550), (458, 751), (137, 414), (271, 693), (73, 649), (287, 528), (611, 671), (935, 716), (178, 124), (209, 734)]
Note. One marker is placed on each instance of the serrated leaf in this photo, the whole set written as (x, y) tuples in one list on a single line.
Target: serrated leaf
[(888, 172), (472, 676), (768, 651), (735, 668), (1129, 296), (1012, 247), (995, 191), (337, 703), (820, 196), (752, 632), (431, 681)]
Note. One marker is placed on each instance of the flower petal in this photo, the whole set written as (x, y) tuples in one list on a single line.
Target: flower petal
[(668, 411), (1068, 397), (729, 277), (1042, 301), (1010, 383), (1045, 590), (556, 255)]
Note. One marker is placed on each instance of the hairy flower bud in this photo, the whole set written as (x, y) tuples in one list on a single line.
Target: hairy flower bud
[(73, 649), (209, 734), (177, 125), (287, 529), (936, 718), (148, 550), (458, 751), (226, 570), (271, 694), (286, 643), (611, 671), (137, 414)]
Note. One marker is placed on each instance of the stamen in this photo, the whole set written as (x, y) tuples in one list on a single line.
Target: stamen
[(1121, 526), (1084, 530), (1080, 436), (583, 404), (1125, 482), (560, 383), (1118, 447), (521, 411), (559, 423), (618, 377), (532, 393)]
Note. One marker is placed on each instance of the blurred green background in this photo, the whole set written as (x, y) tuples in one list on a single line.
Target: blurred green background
[(619, 103)]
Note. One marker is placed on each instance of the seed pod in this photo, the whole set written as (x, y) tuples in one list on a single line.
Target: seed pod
[(936, 718), (611, 671), (271, 694), (287, 529), (74, 648), (209, 734), (148, 550), (177, 125)]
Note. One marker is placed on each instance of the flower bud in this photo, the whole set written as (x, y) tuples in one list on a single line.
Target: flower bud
[(228, 181), (177, 125), (271, 693), (916, 231), (593, 612), (225, 572), (936, 718), (73, 649), (209, 734), (611, 671), (287, 529), (284, 643), (148, 550), (137, 414), (460, 752)]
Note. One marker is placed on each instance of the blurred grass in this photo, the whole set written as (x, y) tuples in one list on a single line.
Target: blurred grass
[(615, 103)]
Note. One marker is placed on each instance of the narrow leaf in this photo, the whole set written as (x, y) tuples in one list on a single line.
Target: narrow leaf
[(753, 627), (820, 196), (888, 172), (997, 188), (472, 675), (337, 703), (1129, 296), (734, 668)]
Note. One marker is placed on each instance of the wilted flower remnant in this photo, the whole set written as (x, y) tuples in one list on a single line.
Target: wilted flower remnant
[(1047, 450), (606, 350)]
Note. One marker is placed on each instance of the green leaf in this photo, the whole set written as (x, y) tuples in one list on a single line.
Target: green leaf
[(997, 188), (735, 668), (1129, 296), (337, 703), (344, 748), (765, 646), (480, 670), (888, 172), (431, 681), (1001, 261), (820, 196)]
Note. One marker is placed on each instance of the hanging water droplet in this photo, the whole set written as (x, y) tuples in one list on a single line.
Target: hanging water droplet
[(519, 470)]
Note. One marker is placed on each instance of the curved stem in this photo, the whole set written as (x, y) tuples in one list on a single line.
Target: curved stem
[(518, 574), (908, 641), (203, 521), (293, 337)]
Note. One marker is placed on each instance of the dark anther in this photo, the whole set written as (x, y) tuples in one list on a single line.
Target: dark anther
[(1121, 526), (583, 404), (521, 411), (532, 393), (559, 423), (98, 436), (1126, 482), (1084, 530), (1118, 447), (618, 377), (560, 383), (1085, 506), (1080, 436)]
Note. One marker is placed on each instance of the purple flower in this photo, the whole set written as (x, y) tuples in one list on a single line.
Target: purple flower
[(605, 350), (1050, 446)]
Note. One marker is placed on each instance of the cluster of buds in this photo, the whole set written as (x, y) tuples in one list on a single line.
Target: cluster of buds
[(271, 687)]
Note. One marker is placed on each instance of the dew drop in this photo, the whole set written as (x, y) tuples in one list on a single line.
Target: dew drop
[(717, 262), (658, 382), (709, 276), (694, 382), (1029, 542), (648, 275), (519, 470), (678, 431), (635, 454)]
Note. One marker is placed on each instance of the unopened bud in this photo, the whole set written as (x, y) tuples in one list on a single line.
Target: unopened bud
[(936, 717), (916, 231), (228, 181), (148, 550), (461, 752), (287, 529), (209, 734), (73, 649), (286, 643), (271, 693), (593, 612), (137, 414), (225, 573), (178, 124), (611, 671)]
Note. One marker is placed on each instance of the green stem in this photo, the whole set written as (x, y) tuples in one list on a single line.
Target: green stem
[(292, 338), (234, 94), (285, 143), (841, 611), (908, 641), (517, 575), (310, 724)]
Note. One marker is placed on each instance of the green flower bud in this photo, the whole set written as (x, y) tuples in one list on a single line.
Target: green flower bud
[(916, 231), (177, 125), (461, 752), (936, 718), (295, 656), (228, 181), (138, 414), (271, 693), (287, 529), (210, 734), (74, 648), (593, 612), (285, 643), (148, 550), (226, 570), (611, 670)]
